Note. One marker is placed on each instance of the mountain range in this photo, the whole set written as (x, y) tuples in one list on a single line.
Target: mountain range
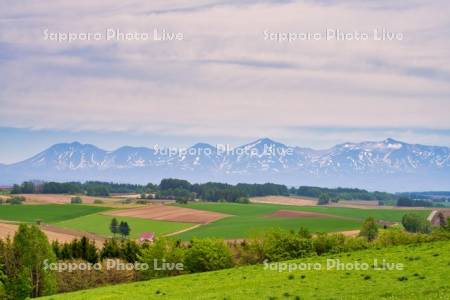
[(387, 165)]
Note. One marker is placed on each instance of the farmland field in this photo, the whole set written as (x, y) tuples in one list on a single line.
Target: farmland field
[(247, 219), (50, 213), (423, 277), (99, 224)]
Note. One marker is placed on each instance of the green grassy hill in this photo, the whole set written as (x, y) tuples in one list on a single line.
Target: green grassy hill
[(425, 276)]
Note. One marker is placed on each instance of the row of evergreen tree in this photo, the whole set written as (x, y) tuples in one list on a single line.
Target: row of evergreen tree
[(183, 190)]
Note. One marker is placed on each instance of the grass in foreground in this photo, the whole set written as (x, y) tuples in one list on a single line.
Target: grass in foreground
[(425, 276), (50, 213), (247, 219), (99, 224)]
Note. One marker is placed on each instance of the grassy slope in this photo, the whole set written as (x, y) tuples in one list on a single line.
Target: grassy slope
[(249, 218), (100, 224), (427, 278), (50, 213)]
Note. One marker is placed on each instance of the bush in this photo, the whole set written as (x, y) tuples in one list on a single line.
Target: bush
[(85, 279), (324, 199), (243, 200), (17, 200), (396, 236), (329, 243), (98, 201), (277, 245), (208, 255), (162, 250), (369, 229), (76, 200), (415, 223), (285, 245)]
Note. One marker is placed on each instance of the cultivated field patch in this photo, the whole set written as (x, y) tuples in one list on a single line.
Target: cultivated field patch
[(169, 213), (49, 213), (284, 200), (53, 234), (298, 214), (98, 224)]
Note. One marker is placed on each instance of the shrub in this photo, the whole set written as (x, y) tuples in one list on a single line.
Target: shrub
[(17, 200), (98, 201), (369, 229), (277, 245), (285, 245), (396, 236), (162, 250), (90, 278), (76, 200), (415, 223), (208, 255), (329, 243)]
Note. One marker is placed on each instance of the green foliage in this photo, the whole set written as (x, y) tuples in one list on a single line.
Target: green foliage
[(369, 229), (114, 226), (324, 199), (124, 229), (23, 261), (414, 223), (328, 243), (127, 250), (76, 200), (408, 202), (165, 250), (17, 200), (85, 279), (278, 244), (342, 193), (208, 255), (76, 249)]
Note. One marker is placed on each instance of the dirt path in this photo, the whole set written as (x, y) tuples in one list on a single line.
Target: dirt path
[(183, 230)]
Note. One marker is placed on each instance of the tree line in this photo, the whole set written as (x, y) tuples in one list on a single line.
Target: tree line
[(183, 191)]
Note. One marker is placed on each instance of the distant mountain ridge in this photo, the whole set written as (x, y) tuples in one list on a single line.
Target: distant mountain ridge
[(382, 165)]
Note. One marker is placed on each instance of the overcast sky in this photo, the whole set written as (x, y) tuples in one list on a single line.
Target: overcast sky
[(224, 81)]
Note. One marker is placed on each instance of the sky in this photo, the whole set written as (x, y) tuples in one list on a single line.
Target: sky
[(229, 79)]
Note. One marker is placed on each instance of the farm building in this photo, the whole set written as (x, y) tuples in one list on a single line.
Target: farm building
[(147, 237)]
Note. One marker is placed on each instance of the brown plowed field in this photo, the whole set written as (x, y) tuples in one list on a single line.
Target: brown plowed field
[(169, 213), (52, 233)]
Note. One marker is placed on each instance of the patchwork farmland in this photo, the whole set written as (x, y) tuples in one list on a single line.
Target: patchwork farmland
[(199, 219)]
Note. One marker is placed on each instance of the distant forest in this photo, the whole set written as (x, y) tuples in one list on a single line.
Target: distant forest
[(183, 191)]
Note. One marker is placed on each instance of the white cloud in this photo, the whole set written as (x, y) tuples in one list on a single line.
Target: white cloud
[(224, 79)]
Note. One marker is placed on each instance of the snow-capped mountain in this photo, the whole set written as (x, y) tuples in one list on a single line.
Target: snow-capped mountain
[(385, 165)]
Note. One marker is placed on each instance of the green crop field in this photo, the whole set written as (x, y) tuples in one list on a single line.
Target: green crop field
[(99, 224), (424, 276), (50, 213), (248, 219)]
